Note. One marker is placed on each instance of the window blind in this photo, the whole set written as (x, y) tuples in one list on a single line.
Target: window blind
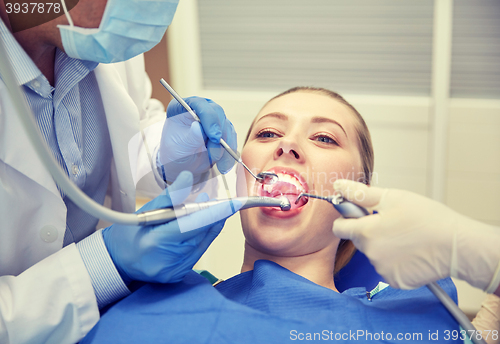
[(475, 67), (355, 46)]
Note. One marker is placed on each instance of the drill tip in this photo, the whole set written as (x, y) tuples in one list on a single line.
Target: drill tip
[(285, 204)]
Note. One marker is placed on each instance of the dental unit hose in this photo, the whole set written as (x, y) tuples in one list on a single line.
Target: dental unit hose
[(350, 210), (40, 146), (87, 204)]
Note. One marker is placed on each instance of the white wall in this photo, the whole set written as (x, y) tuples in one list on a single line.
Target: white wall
[(408, 134)]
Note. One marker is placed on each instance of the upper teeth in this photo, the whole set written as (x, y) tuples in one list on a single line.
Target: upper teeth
[(287, 179)]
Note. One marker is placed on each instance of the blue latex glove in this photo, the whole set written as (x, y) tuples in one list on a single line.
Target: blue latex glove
[(167, 252), (187, 145)]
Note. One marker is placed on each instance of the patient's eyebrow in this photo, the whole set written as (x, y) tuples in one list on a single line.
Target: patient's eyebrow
[(277, 115), (327, 120)]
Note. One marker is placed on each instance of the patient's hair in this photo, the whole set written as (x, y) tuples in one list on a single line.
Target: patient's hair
[(346, 248)]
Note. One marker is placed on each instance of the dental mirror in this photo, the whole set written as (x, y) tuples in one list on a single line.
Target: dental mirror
[(267, 178)]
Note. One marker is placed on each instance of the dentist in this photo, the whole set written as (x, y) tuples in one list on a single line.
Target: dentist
[(56, 270)]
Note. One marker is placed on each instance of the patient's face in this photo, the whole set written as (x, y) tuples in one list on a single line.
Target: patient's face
[(309, 140)]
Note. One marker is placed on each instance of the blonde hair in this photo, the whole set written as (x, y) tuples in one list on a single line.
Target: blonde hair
[(346, 248)]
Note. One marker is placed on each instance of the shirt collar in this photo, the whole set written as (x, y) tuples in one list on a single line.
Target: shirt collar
[(23, 67), (28, 74)]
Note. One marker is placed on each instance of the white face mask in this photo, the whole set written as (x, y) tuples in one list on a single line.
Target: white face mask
[(128, 28)]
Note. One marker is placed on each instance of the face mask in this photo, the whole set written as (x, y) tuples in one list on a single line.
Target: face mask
[(128, 28)]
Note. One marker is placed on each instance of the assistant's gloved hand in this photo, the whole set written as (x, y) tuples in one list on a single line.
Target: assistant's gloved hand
[(167, 252), (187, 145), (414, 240), (487, 319)]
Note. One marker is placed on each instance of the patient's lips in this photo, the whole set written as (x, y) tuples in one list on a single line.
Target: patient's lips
[(290, 185)]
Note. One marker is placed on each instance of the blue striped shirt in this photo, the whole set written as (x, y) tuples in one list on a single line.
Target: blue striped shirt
[(72, 120)]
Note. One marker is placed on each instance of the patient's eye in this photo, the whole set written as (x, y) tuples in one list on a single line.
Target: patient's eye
[(266, 133), (325, 139)]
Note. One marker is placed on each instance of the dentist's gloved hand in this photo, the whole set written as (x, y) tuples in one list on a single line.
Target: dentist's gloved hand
[(187, 145), (167, 252), (414, 240)]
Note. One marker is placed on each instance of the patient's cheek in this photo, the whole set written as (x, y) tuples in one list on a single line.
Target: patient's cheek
[(242, 185)]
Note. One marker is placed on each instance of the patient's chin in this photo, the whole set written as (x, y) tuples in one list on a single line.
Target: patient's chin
[(273, 248), (273, 240)]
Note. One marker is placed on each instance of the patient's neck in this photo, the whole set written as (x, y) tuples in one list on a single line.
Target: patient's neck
[(316, 267)]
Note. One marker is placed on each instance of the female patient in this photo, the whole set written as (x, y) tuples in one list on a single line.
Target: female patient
[(286, 291), (310, 138)]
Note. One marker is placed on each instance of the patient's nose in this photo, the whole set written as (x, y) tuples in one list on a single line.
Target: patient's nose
[(288, 148)]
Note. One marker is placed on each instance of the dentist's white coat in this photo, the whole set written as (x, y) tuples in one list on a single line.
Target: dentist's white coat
[(52, 300)]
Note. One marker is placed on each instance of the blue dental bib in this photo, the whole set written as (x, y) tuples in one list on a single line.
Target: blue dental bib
[(274, 305)]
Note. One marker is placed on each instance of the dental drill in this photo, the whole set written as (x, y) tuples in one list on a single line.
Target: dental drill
[(350, 210), (158, 216), (266, 178)]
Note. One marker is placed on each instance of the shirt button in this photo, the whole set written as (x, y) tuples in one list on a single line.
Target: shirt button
[(35, 84), (74, 169), (48, 233)]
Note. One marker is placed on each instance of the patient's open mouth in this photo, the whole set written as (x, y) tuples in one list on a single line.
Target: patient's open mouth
[(290, 185)]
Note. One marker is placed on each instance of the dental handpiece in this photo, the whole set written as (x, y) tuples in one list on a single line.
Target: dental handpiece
[(347, 209), (158, 216), (266, 178)]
